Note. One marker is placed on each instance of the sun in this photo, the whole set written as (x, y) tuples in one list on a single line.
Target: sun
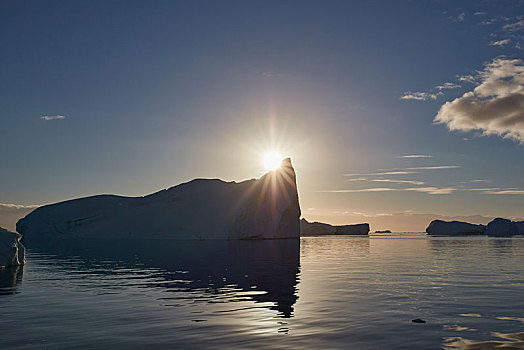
[(272, 160)]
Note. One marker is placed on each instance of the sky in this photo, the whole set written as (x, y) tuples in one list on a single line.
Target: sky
[(393, 112)]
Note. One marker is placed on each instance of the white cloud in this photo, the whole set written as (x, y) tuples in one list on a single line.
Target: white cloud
[(447, 86), (479, 13), (500, 42), (420, 96), (416, 156), (495, 106), (467, 78), (52, 117), (513, 27), (16, 206)]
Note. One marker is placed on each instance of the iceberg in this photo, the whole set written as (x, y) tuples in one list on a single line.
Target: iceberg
[(500, 227), (265, 208), (12, 252), (319, 228), (454, 228)]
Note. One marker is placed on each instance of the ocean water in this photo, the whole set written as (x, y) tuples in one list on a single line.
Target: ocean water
[(318, 292)]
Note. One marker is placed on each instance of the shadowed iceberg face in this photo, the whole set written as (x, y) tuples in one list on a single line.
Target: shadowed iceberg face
[(265, 208), (263, 271)]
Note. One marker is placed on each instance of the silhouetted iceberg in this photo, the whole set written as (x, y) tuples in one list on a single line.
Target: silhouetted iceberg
[(503, 227), (320, 228), (454, 228), (200, 209), (12, 252)]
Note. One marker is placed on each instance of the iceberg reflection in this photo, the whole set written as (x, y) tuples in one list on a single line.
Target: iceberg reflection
[(263, 271), (10, 278)]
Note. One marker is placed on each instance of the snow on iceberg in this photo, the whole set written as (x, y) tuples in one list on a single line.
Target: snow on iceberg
[(264, 208), (12, 252)]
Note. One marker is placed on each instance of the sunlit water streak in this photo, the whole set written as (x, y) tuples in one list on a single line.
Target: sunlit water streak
[(324, 292)]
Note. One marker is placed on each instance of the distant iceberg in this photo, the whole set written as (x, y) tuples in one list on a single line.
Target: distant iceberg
[(497, 228), (319, 228), (454, 228), (504, 227), (12, 252), (265, 208)]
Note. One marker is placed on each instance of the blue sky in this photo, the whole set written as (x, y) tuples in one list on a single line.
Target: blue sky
[(132, 97)]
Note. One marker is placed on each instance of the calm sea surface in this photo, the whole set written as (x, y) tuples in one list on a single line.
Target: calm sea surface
[(318, 293)]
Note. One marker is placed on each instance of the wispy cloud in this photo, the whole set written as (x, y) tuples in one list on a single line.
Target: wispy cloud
[(459, 18), (271, 74), (411, 182), (479, 13), (435, 167), (16, 206), (374, 189), (467, 78), (446, 86), (400, 172), (406, 171), (356, 178), (513, 27), (517, 192), (420, 96), (428, 190), (500, 42), (398, 181), (495, 106), (488, 22), (52, 117), (416, 156), (434, 190)]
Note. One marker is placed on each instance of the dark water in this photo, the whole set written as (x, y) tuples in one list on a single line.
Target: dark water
[(319, 292)]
